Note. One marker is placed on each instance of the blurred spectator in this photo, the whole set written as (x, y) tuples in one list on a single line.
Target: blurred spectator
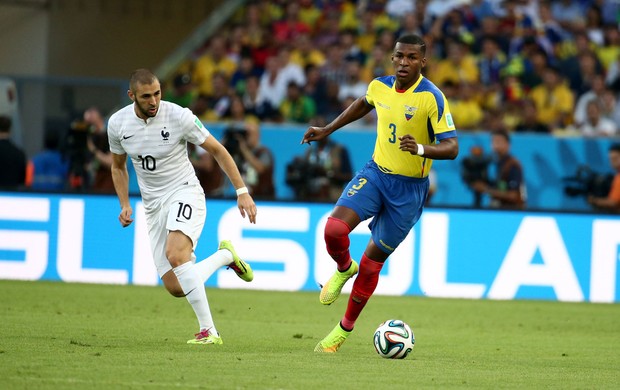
[(353, 86), (309, 13), (305, 53), (255, 161), (610, 50), (570, 14), (253, 103), (182, 91), (554, 100), (12, 158), (215, 60), (218, 102), (377, 65), (459, 65), (610, 106), (297, 107), (291, 26), (490, 62), (316, 88), (245, 70), (507, 188), (594, 94), (236, 113), (321, 173), (48, 170), (101, 162), (464, 106), (350, 49), (279, 72), (589, 68), (612, 201), (533, 69), (529, 122), (335, 67), (595, 124)]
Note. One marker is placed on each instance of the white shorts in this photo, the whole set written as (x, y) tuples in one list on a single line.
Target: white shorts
[(184, 210)]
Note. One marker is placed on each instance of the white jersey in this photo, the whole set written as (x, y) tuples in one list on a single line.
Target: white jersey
[(157, 147)]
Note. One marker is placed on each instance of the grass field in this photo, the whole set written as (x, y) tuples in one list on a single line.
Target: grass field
[(59, 336)]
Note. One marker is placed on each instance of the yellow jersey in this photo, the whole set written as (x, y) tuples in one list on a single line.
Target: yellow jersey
[(421, 111)]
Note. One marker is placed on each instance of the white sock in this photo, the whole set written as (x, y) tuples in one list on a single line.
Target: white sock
[(194, 289), (208, 266)]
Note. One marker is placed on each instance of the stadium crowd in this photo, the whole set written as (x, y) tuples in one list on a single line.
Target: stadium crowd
[(521, 65)]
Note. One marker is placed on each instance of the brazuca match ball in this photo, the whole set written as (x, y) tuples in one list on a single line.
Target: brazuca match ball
[(394, 339)]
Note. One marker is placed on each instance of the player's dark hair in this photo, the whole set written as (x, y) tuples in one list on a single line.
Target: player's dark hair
[(141, 76), (502, 133), (615, 147), (413, 39)]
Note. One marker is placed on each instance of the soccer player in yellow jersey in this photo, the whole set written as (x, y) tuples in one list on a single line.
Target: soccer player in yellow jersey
[(414, 127)]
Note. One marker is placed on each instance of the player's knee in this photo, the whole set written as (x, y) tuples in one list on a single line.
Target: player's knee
[(175, 257), (336, 228)]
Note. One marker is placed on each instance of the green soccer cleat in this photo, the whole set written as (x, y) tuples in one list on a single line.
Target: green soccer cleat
[(205, 337), (241, 268), (332, 342), (331, 291)]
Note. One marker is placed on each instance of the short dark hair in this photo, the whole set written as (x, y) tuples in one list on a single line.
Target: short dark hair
[(413, 39), (5, 124), (141, 76), (615, 147), (501, 133)]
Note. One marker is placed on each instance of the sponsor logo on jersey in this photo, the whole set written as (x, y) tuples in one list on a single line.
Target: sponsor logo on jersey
[(128, 136), (383, 105), (449, 120)]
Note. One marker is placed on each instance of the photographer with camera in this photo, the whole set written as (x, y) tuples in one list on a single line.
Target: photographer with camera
[(611, 202), (100, 164), (475, 168), (321, 173), (255, 161), (507, 189)]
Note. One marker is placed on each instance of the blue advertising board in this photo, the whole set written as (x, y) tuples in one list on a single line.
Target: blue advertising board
[(460, 253)]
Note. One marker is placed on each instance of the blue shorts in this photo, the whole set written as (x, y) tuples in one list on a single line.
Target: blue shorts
[(395, 201)]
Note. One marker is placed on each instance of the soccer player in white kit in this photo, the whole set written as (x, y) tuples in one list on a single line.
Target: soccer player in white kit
[(154, 133)]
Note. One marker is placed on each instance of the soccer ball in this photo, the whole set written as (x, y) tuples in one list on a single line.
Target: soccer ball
[(394, 339)]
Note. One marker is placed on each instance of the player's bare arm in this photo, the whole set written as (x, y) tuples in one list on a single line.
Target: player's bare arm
[(357, 110), (225, 161), (120, 177), (447, 149)]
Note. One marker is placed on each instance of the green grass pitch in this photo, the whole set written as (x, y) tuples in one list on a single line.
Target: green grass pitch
[(75, 336)]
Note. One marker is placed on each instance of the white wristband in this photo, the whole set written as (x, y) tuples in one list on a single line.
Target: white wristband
[(242, 190), (420, 150)]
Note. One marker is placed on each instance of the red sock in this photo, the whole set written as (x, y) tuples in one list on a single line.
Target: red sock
[(337, 242), (364, 286)]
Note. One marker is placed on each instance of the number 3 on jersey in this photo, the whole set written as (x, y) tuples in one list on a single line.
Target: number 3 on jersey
[(148, 163), (392, 138)]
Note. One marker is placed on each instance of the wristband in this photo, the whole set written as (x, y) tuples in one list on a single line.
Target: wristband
[(242, 190), (420, 150)]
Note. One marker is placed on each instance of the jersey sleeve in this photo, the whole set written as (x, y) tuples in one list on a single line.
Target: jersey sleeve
[(441, 119), (370, 92), (113, 137), (195, 132)]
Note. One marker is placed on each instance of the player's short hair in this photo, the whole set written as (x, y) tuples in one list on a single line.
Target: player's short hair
[(141, 76), (501, 133), (615, 147), (413, 39)]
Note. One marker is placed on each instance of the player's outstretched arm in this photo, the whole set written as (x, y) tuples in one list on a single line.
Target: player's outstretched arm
[(358, 109), (120, 178), (225, 161)]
